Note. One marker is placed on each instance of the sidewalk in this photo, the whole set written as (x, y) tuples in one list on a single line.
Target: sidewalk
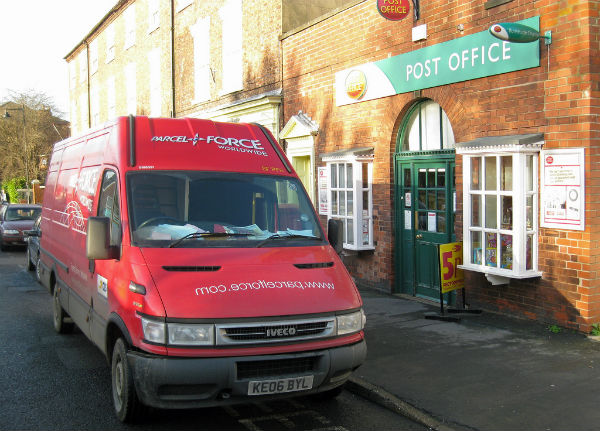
[(487, 372)]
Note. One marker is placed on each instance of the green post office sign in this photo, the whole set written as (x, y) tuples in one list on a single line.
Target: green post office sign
[(469, 57)]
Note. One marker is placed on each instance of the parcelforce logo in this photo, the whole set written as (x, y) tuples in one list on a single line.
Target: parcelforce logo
[(281, 332), (253, 146)]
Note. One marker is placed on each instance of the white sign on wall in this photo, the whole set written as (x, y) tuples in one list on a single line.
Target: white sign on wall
[(563, 189), (323, 197)]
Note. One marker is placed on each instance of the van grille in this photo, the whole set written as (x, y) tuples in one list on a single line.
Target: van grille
[(273, 332), (275, 368)]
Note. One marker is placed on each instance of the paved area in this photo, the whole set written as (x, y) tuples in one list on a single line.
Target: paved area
[(486, 372)]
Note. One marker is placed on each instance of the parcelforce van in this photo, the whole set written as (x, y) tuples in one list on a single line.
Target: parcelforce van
[(190, 254)]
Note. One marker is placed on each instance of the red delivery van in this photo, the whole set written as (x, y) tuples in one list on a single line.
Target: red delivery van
[(189, 252)]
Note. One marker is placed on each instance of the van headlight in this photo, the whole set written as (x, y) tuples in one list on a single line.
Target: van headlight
[(191, 335), (154, 330), (352, 322)]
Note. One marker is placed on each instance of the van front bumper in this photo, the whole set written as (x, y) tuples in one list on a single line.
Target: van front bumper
[(170, 382)]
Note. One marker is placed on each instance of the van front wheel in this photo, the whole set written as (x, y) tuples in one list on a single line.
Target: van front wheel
[(127, 405)]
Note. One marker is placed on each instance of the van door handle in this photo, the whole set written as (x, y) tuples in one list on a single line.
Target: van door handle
[(419, 236)]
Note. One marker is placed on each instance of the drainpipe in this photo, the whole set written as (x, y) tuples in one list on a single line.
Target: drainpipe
[(173, 114)]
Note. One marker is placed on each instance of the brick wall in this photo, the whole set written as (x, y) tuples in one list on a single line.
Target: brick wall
[(559, 99)]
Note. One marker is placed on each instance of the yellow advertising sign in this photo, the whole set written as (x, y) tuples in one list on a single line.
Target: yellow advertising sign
[(451, 277)]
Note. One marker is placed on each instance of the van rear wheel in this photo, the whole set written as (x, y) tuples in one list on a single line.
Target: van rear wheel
[(59, 315), (128, 407)]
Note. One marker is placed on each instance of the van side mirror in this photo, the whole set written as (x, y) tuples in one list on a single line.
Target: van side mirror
[(97, 243), (335, 234)]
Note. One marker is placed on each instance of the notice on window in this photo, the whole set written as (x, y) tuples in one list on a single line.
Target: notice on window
[(562, 189), (323, 197)]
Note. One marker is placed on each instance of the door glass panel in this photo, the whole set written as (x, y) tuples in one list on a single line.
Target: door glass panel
[(422, 220), (506, 251), (422, 178), (475, 173), (476, 247), (441, 200), (491, 249), (431, 199), (506, 172), (490, 173), (441, 178), (422, 200), (431, 178), (491, 212), (476, 210), (441, 222), (407, 177), (507, 212)]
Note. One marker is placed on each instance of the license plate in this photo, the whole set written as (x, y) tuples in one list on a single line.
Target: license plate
[(279, 386)]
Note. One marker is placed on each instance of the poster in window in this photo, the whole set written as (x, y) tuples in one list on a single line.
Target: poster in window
[(323, 196), (562, 188)]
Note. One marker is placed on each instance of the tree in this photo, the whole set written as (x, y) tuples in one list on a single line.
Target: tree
[(27, 134)]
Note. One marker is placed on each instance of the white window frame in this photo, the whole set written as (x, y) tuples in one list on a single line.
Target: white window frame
[(232, 47), (93, 56), (110, 43), (202, 73), (525, 220), (131, 88), (358, 222), (153, 15), (155, 86), (130, 26)]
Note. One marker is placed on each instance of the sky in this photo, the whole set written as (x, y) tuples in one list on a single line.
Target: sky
[(35, 36)]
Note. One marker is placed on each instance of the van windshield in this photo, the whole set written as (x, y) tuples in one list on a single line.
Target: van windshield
[(207, 209)]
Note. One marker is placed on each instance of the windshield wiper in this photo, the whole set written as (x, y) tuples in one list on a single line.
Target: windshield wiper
[(286, 236), (194, 235)]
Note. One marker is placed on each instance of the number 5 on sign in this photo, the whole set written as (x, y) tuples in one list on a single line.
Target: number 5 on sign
[(451, 277)]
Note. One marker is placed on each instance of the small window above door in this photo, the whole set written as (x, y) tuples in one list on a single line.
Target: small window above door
[(427, 129)]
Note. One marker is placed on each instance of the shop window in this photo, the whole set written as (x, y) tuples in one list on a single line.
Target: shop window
[(350, 195), (500, 206)]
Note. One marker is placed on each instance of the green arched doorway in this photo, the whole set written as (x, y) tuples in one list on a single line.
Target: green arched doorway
[(425, 197)]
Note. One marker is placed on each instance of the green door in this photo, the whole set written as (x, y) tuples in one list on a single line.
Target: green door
[(426, 202)]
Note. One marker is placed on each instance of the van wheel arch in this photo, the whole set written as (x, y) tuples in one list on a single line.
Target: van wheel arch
[(115, 329)]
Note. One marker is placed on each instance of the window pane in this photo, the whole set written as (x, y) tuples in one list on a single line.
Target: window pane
[(431, 133), (422, 220), (529, 212), (366, 203), (506, 251), (342, 203), (490, 173), (441, 223), (476, 248), (365, 232), (491, 249), (365, 175), (333, 175), (349, 179), (350, 234), (507, 212), (529, 252), (506, 172), (475, 173), (412, 137), (422, 199), (491, 214), (529, 173), (441, 200), (334, 203), (342, 176), (476, 210), (350, 202), (448, 134)]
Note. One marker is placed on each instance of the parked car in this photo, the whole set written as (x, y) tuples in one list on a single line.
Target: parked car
[(32, 237), (14, 219)]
